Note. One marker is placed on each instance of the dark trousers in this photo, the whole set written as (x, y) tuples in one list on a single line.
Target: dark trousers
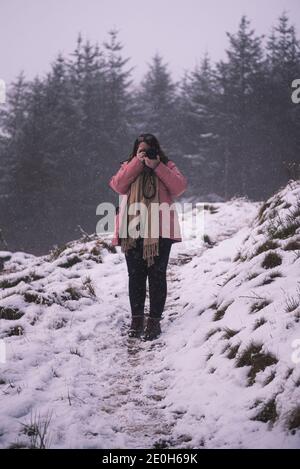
[(138, 272)]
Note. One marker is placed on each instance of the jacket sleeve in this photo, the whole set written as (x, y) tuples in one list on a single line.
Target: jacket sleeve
[(173, 179), (128, 172)]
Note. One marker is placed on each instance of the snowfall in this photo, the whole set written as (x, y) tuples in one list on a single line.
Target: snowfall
[(224, 373)]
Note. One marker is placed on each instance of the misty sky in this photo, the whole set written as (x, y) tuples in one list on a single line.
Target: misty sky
[(33, 31)]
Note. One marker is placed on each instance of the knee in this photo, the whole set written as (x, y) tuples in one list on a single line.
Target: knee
[(158, 271), (137, 275)]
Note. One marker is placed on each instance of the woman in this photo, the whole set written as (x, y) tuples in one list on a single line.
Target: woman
[(148, 177)]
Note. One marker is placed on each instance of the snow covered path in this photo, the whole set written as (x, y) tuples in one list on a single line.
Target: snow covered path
[(73, 361)]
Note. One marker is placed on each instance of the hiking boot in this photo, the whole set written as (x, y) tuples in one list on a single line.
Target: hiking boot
[(136, 326), (153, 329)]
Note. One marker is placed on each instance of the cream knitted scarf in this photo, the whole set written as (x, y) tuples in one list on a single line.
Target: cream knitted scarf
[(150, 244)]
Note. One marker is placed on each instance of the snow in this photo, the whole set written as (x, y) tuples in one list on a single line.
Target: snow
[(74, 364)]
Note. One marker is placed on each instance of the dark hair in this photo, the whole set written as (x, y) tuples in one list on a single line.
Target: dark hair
[(151, 140)]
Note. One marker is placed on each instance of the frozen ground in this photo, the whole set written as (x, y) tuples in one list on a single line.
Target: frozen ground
[(223, 374)]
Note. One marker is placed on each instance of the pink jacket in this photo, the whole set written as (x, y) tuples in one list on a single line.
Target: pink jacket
[(171, 183)]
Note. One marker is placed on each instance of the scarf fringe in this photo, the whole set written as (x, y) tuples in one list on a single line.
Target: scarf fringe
[(127, 243), (150, 250)]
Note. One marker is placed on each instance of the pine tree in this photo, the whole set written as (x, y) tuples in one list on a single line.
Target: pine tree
[(198, 133), (238, 79), (282, 116), (157, 98)]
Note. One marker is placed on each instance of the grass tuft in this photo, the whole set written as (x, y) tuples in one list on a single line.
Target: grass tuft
[(10, 313), (258, 360), (259, 305), (259, 322), (266, 246), (293, 421), (268, 413), (228, 333), (233, 350), (272, 259), (212, 332)]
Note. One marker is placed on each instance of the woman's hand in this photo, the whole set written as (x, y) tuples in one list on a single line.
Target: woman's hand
[(141, 155), (152, 163)]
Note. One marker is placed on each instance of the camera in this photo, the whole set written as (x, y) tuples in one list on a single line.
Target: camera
[(151, 153)]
